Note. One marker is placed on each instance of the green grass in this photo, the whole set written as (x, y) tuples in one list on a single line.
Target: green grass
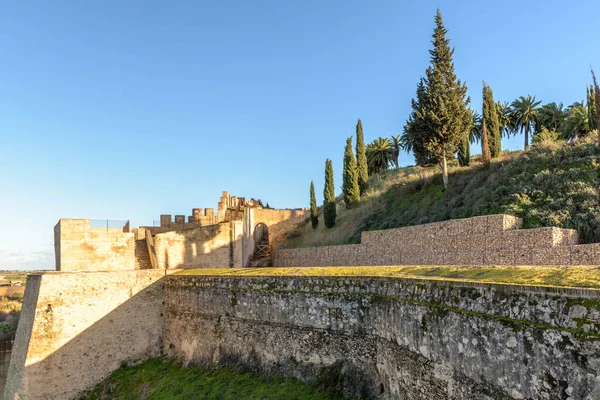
[(548, 185), (164, 379), (576, 276)]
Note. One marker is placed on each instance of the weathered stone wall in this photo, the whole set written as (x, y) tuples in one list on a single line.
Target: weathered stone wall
[(393, 338), (486, 240), (214, 246), (75, 328), (80, 247)]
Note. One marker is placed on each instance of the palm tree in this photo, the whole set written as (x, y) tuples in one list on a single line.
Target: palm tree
[(475, 134), (396, 142), (552, 116), (576, 123), (525, 115), (379, 154), (504, 117)]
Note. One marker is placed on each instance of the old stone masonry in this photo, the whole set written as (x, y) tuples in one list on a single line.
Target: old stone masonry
[(119, 296)]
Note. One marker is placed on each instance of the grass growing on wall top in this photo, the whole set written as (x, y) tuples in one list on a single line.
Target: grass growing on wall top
[(580, 276), (163, 379)]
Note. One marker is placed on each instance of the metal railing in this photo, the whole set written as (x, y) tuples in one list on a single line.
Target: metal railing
[(110, 224)]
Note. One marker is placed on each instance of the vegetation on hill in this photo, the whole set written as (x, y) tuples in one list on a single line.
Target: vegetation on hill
[(162, 379), (550, 184)]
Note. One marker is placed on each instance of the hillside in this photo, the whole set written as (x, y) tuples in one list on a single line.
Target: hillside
[(548, 185)]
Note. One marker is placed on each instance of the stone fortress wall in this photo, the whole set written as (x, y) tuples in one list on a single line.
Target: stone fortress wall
[(393, 338), (222, 240), (386, 337), (486, 240), (80, 247)]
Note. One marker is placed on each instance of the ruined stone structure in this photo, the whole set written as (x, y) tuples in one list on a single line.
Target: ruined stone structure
[(206, 240), (393, 338), (486, 240)]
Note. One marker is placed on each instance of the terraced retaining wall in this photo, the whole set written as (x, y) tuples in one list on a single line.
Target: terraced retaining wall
[(393, 338), (485, 240)]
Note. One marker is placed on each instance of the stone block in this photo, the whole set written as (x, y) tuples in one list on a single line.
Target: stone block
[(463, 226), (463, 243), (469, 258), (479, 225), (450, 258), (564, 237), (210, 212), (551, 256), (585, 254), (180, 219), (437, 258), (502, 222), (523, 256), (499, 257), (445, 243)]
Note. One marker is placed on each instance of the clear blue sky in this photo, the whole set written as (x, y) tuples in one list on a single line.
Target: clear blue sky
[(130, 109)]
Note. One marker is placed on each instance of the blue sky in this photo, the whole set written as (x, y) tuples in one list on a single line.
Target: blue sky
[(132, 109)]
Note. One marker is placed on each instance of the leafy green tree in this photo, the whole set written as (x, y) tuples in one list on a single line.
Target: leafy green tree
[(314, 211), (396, 144), (525, 113), (447, 115), (416, 133), (551, 116), (485, 147), (350, 187), (591, 106), (329, 196), (361, 159), (379, 153), (490, 116)]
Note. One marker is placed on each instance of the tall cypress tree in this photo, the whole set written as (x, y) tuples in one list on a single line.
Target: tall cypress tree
[(597, 101), (591, 105), (361, 159), (329, 196), (350, 182), (485, 146), (464, 152), (490, 116), (314, 211), (447, 116), (416, 132)]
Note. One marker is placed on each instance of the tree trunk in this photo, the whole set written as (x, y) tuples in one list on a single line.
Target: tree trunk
[(526, 136), (444, 170)]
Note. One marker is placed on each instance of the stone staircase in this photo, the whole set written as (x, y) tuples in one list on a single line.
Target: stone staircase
[(142, 256)]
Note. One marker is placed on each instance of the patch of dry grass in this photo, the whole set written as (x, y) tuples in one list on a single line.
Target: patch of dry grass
[(580, 276)]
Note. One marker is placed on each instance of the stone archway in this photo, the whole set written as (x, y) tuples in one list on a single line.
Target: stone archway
[(261, 241)]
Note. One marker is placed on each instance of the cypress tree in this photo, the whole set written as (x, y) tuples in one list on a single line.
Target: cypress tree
[(329, 196), (485, 147), (447, 116), (464, 152), (591, 105), (597, 101), (350, 187), (314, 212), (361, 159), (490, 116), (416, 133)]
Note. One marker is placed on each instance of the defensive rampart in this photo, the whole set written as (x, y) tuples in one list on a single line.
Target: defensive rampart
[(75, 328), (393, 338), (486, 240)]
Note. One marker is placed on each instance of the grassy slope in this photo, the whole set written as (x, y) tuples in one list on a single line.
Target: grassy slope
[(583, 277), (161, 379), (548, 185)]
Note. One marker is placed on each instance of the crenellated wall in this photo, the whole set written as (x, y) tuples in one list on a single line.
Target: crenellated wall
[(393, 338), (485, 240)]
